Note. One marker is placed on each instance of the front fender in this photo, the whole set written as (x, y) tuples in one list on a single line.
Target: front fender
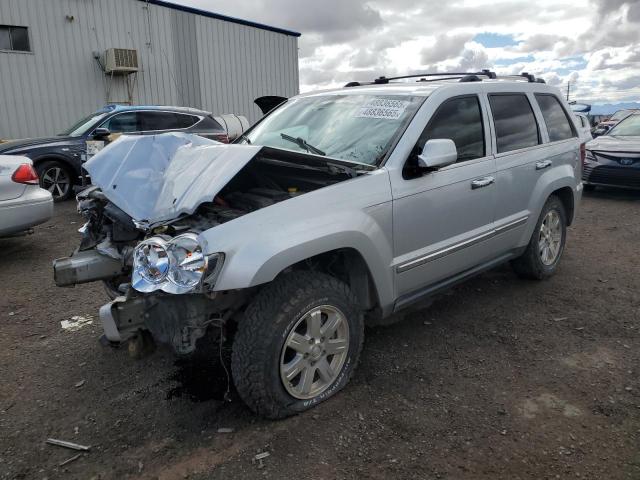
[(354, 214)]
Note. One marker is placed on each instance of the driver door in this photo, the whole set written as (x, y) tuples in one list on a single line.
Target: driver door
[(443, 220)]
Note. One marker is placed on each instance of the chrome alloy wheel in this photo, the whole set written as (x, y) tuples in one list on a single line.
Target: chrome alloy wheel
[(314, 352), (57, 181), (550, 238)]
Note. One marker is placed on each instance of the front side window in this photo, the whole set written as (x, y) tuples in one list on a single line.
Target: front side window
[(458, 119), (14, 38), (353, 127), (629, 127), (557, 121), (514, 121), (126, 122), (83, 126)]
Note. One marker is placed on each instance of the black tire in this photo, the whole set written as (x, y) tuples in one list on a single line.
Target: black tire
[(262, 332), (588, 188), (47, 173), (529, 264)]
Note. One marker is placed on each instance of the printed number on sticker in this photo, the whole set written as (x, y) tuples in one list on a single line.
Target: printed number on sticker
[(382, 108)]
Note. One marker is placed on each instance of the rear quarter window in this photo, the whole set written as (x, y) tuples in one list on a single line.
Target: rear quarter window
[(558, 124), (514, 121)]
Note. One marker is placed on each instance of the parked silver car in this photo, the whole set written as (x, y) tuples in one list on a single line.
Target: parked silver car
[(338, 208), (23, 204)]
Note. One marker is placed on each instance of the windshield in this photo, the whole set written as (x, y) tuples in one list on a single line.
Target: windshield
[(619, 115), (628, 127), (355, 128), (80, 128)]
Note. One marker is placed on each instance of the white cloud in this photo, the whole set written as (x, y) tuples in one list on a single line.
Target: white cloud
[(595, 44)]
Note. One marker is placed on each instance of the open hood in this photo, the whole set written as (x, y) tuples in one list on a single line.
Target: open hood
[(269, 102), (154, 178)]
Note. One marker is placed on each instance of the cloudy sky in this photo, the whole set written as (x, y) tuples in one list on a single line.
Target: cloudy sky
[(594, 44)]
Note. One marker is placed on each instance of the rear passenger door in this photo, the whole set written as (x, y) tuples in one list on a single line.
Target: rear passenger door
[(519, 163), (529, 146)]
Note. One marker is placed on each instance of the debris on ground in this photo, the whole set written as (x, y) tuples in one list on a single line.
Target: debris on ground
[(76, 323), (69, 460), (65, 444), (259, 457)]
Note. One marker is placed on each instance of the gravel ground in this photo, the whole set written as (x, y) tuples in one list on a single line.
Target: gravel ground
[(499, 379)]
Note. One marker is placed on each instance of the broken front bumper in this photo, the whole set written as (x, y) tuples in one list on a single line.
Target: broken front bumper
[(175, 320)]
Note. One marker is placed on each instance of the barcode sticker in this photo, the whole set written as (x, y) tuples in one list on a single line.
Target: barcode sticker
[(383, 108)]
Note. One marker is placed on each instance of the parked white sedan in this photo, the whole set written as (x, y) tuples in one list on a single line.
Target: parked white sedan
[(23, 204)]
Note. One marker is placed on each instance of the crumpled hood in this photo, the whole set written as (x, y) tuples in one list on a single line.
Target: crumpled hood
[(612, 143), (154, 178)]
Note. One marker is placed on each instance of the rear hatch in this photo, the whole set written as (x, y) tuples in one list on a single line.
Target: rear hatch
[(8, 188)]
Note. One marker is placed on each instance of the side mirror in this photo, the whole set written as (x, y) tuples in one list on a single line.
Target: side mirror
[(100, 133), (437, 153)]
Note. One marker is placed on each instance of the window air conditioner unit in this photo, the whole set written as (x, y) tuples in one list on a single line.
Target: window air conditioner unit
[(120, 61)]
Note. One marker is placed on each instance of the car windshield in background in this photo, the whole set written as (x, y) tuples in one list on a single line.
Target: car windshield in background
[(81, 127), (355, 128), (629, 127)]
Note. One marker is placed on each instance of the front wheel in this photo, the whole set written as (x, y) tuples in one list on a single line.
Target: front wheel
[(540, 259), (297, 344)]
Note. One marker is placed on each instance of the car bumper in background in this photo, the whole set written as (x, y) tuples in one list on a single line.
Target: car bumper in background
[(33, 207), (611, 175)]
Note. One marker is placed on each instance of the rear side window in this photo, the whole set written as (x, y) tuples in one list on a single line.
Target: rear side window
[(166, 121), (460, 120), (557, 121), (515, 122)]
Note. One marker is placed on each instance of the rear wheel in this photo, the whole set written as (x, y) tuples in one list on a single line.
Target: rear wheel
[(297, 345), (540, 259), (56, 178)]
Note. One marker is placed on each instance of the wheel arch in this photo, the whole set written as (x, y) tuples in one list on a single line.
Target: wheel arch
[(348, 265), (565, 194), (52, 157)]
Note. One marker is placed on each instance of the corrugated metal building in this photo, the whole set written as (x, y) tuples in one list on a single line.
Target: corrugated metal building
[(49, 76)]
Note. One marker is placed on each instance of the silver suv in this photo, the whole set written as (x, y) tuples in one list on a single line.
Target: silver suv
[(338, 209)]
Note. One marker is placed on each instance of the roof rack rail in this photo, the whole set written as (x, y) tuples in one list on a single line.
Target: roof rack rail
[(465, 76), (461, 76)]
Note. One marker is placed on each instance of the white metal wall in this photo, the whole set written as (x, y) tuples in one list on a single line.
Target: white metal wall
[(185, 59)]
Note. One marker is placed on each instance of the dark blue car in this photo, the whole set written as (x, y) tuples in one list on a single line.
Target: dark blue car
[(58, 160)]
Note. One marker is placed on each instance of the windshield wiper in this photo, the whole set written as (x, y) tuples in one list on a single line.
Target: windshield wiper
[(302, 143)]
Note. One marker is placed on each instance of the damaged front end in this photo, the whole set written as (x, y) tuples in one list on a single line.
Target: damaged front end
[(152, 198)]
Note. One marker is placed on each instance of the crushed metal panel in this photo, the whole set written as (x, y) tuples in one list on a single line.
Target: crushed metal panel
[(154, 178)]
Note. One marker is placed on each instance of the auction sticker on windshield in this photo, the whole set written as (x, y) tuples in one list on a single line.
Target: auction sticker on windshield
[(383, 108)]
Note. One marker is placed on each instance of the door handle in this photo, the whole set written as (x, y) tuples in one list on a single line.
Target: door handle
[(542, 165), (482, 182)]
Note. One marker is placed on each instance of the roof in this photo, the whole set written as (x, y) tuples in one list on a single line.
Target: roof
[(217, 16), (115, 107), (424, 89)]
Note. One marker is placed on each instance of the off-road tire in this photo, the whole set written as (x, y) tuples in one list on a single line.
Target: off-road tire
[(529, 265), (42, 167), (261, 334)]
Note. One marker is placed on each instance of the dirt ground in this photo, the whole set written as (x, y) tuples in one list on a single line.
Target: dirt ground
[(499, 379)]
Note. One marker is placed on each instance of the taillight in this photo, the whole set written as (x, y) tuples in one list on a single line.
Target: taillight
[(25, 174), (223, 137)]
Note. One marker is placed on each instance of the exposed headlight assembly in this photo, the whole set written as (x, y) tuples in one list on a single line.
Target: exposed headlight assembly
[(174, 265)]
